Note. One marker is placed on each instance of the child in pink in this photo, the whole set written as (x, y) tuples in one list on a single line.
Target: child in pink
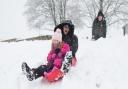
[(55, 57)]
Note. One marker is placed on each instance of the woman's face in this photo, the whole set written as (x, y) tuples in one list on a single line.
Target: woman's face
[(66, 29), (100, 18)]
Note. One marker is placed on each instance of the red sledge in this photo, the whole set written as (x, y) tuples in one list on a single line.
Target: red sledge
[(54, 75)]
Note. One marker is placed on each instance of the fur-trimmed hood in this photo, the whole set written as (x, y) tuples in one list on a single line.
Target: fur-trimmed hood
[(66, 22)]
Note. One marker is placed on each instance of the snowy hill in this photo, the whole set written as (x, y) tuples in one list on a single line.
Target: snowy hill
[(102, 64)]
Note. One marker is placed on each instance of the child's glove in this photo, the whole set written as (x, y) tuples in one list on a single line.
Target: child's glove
[(57, 50), (58, 63), (60, 54)]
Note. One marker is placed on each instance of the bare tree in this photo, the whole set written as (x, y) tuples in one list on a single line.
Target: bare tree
[(39, 12), (113, 10), (52, 11), (75, 13), (62, 9), (101, 4)]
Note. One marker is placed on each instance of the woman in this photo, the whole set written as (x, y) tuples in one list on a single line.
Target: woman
[(69, 37), (99, 27)]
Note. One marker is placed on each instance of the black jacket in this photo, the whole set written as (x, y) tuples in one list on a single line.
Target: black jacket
[(99, 27)]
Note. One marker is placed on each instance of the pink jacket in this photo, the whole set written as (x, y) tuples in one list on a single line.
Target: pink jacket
[(58, 58)]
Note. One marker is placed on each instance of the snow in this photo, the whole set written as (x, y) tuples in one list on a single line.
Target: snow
[(13, 21), (102, 64)]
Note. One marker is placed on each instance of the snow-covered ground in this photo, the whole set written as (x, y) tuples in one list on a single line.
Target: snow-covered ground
[(102, 64)]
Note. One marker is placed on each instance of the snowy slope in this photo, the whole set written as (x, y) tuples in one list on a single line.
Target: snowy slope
[(102, 64)]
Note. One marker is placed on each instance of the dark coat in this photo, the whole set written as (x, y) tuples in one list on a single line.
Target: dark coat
[(99, 27), (70, 38)]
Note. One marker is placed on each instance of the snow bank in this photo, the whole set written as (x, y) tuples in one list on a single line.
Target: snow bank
[(102, 64)]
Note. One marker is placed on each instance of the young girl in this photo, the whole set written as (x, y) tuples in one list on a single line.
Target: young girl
[(54, 58)]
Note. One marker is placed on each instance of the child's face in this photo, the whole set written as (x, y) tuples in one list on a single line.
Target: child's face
[(66, 29), (55, 43)]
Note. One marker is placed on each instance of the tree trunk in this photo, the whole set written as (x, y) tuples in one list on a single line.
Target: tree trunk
[(101, 5)]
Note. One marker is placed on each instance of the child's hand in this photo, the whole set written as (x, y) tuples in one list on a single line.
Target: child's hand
[(60, 54)]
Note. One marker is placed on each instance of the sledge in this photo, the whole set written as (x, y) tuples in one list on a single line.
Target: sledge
[(54, 75)]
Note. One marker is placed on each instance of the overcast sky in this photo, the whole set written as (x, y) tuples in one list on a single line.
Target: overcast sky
[(12, 20)]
